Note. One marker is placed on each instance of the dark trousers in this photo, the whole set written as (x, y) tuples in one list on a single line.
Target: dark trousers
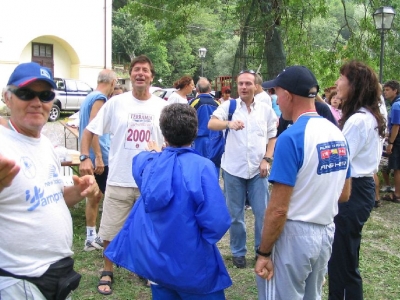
[(344, 276)]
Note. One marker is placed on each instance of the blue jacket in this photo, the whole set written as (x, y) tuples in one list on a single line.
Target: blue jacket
[(171, 233)]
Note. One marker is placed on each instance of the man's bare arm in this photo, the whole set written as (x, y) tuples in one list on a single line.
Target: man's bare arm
[(345, 195), (99, 164), (86, 166)]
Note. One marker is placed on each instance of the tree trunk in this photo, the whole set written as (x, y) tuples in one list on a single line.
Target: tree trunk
[(274, 53)]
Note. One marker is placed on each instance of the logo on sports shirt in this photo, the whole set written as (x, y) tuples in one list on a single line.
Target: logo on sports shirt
[(28, 167), (332, 157)]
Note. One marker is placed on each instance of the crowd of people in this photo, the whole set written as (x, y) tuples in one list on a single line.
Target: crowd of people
[(163, 209)]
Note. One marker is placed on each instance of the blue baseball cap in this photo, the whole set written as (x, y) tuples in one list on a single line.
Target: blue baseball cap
[(27, 73), (297, 80)]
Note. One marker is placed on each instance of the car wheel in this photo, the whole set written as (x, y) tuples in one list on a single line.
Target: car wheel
[(54, 113)]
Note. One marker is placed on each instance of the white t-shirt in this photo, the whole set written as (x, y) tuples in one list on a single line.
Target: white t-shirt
[(176, 98), (36, 225), (364, 143), (131, 123), (312, 157), (245, 149), (263, 97)]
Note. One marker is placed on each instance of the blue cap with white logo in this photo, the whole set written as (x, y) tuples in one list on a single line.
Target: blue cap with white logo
[(27, 73)]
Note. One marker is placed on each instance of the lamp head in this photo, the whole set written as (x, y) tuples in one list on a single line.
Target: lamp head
[(202, 52), (383, 17)]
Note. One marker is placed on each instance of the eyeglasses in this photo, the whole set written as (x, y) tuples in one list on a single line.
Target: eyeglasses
[(26, 94), (247, 71)]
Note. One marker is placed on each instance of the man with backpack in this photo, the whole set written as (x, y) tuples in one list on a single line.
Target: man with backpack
[(205, 105), (246, 160)]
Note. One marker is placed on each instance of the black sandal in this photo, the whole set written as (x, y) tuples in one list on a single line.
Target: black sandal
[(391, 197), (106, 282)]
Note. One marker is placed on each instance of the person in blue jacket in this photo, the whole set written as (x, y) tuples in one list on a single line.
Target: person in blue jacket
[(171, 234)]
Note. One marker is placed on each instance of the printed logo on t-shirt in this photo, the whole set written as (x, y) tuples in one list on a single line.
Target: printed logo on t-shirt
[(332, 157), (53, 172), (139, 131), (28, 168), (37, 198), (47, 194)]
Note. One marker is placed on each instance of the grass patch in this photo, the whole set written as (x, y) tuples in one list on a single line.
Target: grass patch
[(379, 261)]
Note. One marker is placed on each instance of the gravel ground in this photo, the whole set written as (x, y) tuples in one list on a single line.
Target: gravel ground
[(55, 132)]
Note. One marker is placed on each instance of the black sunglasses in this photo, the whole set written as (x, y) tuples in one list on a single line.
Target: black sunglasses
[(26, 94), (247, 71)]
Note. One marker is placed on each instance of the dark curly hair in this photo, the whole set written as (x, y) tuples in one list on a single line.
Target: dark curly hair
[(182, 82), (364, 92), (178, 124), (333, 94), (394, 85)]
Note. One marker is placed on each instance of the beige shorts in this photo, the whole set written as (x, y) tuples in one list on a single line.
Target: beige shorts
[(118, 202)]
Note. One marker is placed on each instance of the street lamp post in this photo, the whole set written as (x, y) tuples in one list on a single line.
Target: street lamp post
[(383, 18), (202, 55)]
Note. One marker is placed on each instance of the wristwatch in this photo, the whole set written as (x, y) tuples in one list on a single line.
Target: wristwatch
[(83, 157), (268, 254), (268, 159)]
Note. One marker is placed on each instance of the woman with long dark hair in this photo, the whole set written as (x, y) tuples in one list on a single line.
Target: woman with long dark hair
[(363, 126)]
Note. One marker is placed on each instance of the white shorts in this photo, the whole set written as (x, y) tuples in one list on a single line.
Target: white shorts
[(23, 289)]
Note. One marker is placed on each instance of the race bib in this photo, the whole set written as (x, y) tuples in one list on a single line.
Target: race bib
[(139, 131)]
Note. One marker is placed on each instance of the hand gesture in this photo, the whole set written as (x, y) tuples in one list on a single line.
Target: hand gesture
[(8, 171)]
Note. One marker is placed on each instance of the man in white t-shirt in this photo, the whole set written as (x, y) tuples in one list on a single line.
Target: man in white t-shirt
[(308, 174), (36, 225), (132, 120)]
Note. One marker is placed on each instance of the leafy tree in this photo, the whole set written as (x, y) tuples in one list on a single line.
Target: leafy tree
[(268, 33)]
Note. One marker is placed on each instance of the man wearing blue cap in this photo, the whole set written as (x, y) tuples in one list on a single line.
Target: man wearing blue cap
[(36, 235), (308, 175)]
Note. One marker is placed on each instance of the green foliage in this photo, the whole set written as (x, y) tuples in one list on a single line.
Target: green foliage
[(320, 34)]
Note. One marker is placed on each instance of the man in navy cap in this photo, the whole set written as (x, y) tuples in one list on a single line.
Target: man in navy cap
[(308, 175), (36, 225)]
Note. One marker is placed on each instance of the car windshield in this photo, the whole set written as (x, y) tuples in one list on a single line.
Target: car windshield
[(159, 93)]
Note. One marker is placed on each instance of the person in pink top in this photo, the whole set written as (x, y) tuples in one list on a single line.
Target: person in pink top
[(335, 104)]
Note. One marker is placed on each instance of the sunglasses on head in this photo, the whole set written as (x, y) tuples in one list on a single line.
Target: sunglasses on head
[(247, 71), (26, 94)]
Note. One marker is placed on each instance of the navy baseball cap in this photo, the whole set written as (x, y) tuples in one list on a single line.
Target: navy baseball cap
[(27, 73), (297, 80)]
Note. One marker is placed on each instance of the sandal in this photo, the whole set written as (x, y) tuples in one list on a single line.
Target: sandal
[(391, 197), (106, 282)]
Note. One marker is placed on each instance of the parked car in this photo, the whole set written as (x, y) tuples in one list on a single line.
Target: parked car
[(70, 94), (154, 88), (164, 93)]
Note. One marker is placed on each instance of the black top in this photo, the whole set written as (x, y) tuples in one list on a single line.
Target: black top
[(322, 109)]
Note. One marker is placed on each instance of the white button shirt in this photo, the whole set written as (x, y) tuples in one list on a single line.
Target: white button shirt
[(245, 149), (365, 145)]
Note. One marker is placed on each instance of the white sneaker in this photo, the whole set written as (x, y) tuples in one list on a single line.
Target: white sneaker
[(96, 244), (385, 188)]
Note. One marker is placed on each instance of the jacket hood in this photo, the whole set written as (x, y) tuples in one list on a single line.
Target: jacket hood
[(153, 173)]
